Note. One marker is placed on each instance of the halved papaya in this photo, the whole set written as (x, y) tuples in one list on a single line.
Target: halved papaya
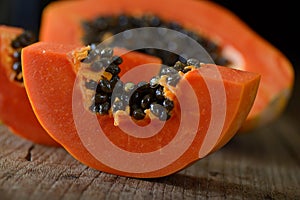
[(15, 109), (241, 47), (182, 121)]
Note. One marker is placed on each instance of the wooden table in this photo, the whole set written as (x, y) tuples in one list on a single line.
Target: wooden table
[(264, 164)]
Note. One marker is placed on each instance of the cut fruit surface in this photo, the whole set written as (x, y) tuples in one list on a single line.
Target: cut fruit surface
[(15, 109), (209, 105), (237, 44)]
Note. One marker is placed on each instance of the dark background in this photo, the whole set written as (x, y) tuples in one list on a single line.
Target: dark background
[(275, 21), (278, 22)]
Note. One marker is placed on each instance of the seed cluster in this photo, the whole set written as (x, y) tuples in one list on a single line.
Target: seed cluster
[(103, 60), (97, 30), (21, 41), (140, 97), (111, 94)]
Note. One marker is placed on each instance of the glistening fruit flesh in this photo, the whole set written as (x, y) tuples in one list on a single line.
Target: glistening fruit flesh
[(101, 143)]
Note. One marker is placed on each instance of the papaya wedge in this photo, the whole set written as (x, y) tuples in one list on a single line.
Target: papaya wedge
[(15, 109), (210, 104), (244, 48)]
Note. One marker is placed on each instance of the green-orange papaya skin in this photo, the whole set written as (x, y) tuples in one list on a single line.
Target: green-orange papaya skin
[(241, 45), (98, 142), (15, 109)]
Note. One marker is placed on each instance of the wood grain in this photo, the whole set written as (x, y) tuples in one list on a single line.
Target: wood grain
[(261, 165)]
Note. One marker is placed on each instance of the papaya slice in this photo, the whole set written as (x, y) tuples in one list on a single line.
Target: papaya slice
[(238, 44), (15, 109), (209, 105)]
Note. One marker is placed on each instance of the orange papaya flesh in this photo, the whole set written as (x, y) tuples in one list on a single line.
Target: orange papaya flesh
[(15, 109), (210, 105), (240, 44)]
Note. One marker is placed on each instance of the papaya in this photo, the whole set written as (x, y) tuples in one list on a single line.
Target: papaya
[(15, 108), (229, 41), (144, 124)]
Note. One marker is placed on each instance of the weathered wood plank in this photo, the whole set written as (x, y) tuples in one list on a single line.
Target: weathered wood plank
[(262, 165)]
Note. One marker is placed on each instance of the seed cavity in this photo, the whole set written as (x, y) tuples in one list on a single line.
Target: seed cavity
[(24, 39), (111, 94), (97, 30)]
